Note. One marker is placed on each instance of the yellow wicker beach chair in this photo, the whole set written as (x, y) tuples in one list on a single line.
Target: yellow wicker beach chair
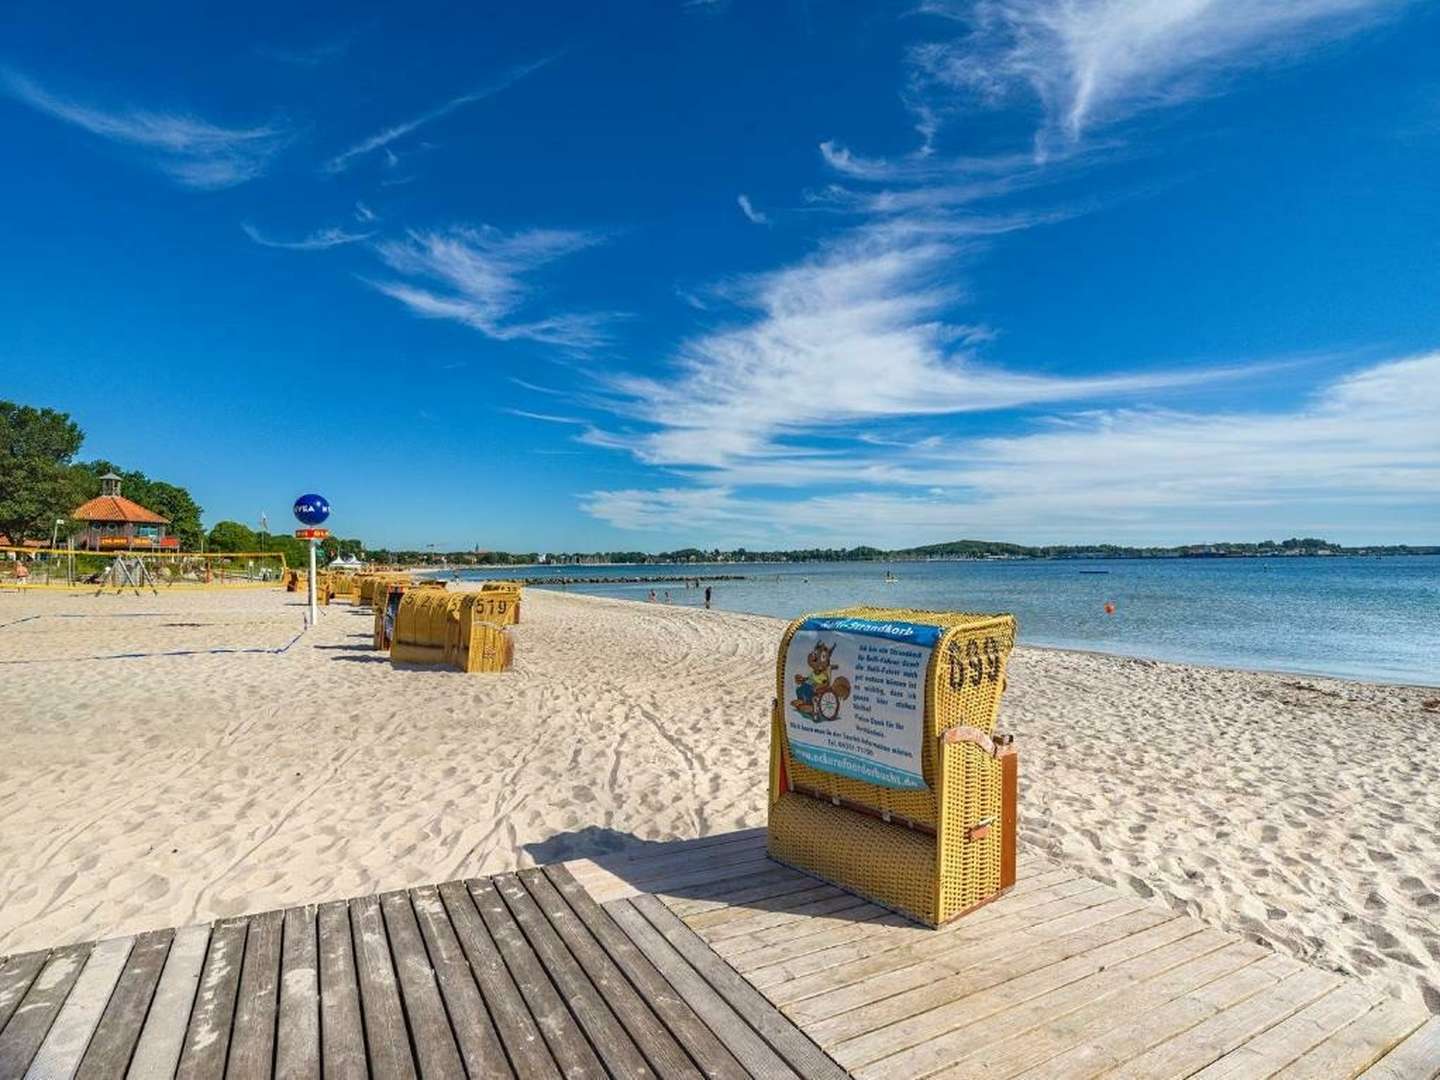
[(449, 629), (933, 851)]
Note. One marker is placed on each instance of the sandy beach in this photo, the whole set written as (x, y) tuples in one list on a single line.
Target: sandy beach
[(141, 790)]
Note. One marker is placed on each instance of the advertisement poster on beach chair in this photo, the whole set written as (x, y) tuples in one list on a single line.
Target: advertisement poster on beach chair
[(856, 698)]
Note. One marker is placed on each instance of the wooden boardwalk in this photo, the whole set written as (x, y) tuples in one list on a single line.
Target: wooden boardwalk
[(518, 975), (699, 958), (1061, 978)]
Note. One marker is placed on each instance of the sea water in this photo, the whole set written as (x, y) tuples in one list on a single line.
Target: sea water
[(1358, 617)]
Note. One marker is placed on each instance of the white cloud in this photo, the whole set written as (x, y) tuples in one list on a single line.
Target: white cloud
[(481, 277), (1094, 61), (364, 214), (1362, 458), (755, 217), (319, 240), (381, 140), (853, 334), (193, 152)]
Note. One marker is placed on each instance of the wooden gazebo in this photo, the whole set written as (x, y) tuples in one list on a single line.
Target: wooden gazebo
[(112, 522)]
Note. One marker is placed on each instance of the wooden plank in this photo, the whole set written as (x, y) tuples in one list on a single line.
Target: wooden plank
[(970, 969), (59, 1055), (1358, 1045), (207, 1040), (37, 1010), (706, 1050), (709, 924), (930, 1012), (650, 1036), (113, 1044), (474, 1032), (664, 851), (429, 1026), (739, 891), (15, 979), (1196, 1047), (980, 1024), (1018, 1050), (1288, 1040), (386, 1036), (297, 1034), (517, 1030), (342, 1031), (607, 1035), (753, 1052), (700, 874), (157, 1052), (572, 1052), (889, 948), (790, 1042), (1417, 1058), (252, 1038), (804, 907), (1151, 1027)]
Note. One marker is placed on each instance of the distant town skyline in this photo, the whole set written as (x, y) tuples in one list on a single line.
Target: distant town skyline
[(723, 274)]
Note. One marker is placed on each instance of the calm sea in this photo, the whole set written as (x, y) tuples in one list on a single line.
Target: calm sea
[(1362, 618)]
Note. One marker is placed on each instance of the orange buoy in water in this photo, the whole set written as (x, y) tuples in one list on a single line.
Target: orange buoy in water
[(1109, 607)]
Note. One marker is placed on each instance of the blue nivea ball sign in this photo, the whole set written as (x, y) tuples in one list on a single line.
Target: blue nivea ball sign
[(312, 509)]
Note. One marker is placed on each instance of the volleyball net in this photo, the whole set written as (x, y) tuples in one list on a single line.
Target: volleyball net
[(62, 568)]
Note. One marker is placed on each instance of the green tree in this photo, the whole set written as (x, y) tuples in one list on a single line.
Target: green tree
[(37, 482), (232, 536)]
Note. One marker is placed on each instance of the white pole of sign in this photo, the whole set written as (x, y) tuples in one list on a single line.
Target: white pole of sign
[(314, 609)]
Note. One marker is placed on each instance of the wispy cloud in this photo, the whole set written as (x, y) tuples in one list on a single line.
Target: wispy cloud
[(482, 277), (193, 152), (364, 214), (1094, 61), (853, 334), (549, 418), (755, 217), (381, 140), (319, 240), (1367, 440), (309, 56)]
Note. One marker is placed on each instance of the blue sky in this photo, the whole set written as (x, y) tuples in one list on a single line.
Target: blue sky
[(740, 273)]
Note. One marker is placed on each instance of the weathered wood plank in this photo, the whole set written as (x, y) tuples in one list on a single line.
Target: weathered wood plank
[(37, 1009), (704, 1048), (700, 874), (572, 1052), (207, 1040), (761, 928), (1292, 1037), (1417, 1058), (342, 1031), (518, 1032), (1358, 1045), (1195, 1048), (606, 1034), (664, 1054), (1151, 1027), (429, 1026), (157, 1051), (111, 1047), (739, 891), (474, 1032), (297, 1034), (981, 1024), (59, 1055), (1018, 1050), (252, 1038), (979, 965), (753, 1052), (934, 1011), (386, 1037), (790, 1042), (15, 979)]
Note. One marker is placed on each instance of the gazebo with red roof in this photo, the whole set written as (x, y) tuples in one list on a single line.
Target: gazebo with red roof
[(112, 521)]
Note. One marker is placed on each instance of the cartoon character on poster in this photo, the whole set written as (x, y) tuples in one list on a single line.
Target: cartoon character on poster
[(818, 695)]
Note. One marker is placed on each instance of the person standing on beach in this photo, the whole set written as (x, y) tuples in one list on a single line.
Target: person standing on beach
[(652, 596), (707, 597)]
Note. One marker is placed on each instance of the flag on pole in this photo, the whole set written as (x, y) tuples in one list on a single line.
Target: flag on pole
[(264, 523)]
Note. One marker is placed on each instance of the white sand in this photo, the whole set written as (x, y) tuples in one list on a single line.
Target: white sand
[(160, 790)]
